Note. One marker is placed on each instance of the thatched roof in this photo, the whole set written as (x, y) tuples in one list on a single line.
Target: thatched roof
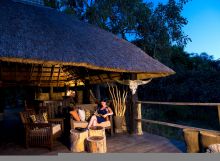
[(31, 34)]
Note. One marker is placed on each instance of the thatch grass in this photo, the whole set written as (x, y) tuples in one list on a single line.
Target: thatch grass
[(42, 35)]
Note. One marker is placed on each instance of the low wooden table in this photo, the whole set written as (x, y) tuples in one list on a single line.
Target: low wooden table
[(78, 140), (96, 142)]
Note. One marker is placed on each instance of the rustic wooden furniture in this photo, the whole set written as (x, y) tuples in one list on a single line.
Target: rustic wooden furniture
[(40, 134), (96, 144), (191, 138), (108, 124), (77, 140), (208, 138), (98, 131)]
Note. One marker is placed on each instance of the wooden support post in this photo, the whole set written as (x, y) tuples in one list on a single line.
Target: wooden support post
[(138, 119), (51, 73), (219, 114), (134, 99), (58, 78), (51, 92), (86, 93), (1, 101), (97, 92)]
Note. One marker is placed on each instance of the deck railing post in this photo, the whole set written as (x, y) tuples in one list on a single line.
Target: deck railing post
[(138, 119), (219, 113)]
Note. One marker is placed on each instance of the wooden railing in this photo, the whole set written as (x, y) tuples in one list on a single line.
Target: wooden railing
[(139, 119)]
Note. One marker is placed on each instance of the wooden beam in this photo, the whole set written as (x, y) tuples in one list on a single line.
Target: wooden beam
[(100, 78), (41, 71), (58, 79), (51, 73), (174, 125), (32, 69), (180, 103)]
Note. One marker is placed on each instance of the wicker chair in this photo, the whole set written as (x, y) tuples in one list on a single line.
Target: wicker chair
[(40, 134)]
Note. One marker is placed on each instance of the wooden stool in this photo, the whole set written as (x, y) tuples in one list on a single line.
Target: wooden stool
[(96, 144), (77, 140), (98, 131)]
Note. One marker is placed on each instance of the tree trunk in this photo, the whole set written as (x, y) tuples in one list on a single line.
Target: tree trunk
[(98, 131), (77, 140), (96, 144)]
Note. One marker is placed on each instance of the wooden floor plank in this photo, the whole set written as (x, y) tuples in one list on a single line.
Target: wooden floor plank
[(147, 143)]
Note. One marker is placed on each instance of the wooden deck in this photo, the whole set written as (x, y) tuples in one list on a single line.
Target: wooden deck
[(123, 143)]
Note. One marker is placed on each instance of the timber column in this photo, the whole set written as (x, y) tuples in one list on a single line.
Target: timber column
[(86, 93), (1, 101), (134, 99), (136, 110)]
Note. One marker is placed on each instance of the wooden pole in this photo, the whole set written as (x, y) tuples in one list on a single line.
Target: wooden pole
[(97, 91), (86, 93), (134, 99), (138, 119), (1, 101), (219, 114), (51, 91)]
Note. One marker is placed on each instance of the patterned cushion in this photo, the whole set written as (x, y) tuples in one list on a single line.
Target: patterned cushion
[(45, 117), (41, 118), (88, 114)]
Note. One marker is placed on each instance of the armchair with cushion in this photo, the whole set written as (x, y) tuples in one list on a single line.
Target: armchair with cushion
[(39, 133), (76, 122)]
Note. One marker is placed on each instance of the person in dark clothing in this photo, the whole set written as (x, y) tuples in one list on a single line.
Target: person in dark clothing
[(101, 113)]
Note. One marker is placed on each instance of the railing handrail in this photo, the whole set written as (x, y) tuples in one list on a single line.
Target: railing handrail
[(179, 103)]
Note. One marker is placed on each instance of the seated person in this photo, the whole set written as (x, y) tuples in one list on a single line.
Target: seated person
[(100, 115)]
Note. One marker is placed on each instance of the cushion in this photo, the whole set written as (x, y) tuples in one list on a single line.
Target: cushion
[(39, 132), (45, 117), (81, 124), (82, 115), (88, 114), (75, 115), (44, 131), (104, 124), (56, 128), (41, 118), (33, 118)]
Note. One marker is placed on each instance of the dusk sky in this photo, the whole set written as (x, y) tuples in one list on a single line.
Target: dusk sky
[(203, 26)]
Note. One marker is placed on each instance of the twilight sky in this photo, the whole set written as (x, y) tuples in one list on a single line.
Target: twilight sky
[(203, 26)]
